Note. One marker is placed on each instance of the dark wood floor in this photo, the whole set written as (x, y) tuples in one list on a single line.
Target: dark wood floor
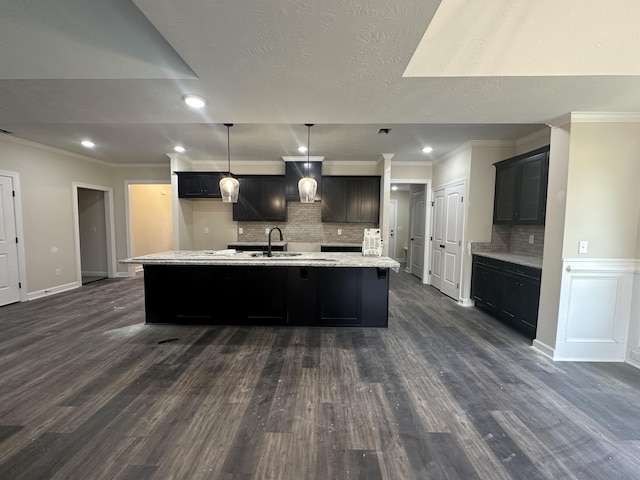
[(87, 391)]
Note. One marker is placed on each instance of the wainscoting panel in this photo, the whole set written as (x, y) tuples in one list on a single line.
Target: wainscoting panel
[(595, 310)]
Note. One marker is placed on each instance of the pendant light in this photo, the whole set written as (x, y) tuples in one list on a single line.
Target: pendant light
[(307, 186), (229, 186)]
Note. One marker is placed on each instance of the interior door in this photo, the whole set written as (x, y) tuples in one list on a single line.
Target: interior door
[(453, 223), (417, 234), (437, 238), (9, 272)]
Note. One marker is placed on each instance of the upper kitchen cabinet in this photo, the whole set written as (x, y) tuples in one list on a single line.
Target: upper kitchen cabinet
[(199, 184), (294, 171), (261, 199), (351, 199), (521, 189)]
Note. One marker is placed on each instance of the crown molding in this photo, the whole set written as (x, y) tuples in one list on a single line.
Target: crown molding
[(59, 151), (303, 158), (351, 162), (533, 136), (407, 163), (605, 117)]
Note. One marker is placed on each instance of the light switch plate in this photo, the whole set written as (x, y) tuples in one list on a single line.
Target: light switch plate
[(531, 238), (582, 246), (240, 231)]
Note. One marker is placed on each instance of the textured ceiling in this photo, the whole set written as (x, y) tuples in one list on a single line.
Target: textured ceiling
[(116, 71)]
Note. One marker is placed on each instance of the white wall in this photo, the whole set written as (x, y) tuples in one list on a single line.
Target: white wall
[(150, 207), (46, 179)]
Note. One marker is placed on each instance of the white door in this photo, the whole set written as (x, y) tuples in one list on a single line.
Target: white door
[(9, 273), (437, 238), (417, 234), (393, 226), (454, 208)]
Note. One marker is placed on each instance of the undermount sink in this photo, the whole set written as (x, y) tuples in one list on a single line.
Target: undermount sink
[(276, 254)]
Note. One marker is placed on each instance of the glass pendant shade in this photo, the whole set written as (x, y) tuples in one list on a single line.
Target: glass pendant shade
[(307, 188), (229, 188)]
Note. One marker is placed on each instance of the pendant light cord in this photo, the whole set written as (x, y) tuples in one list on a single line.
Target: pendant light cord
[(309, 125), (228, 125)]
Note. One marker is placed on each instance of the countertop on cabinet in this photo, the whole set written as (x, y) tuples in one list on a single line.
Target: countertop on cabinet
[(517, 258), (225, 257), (343, 244)]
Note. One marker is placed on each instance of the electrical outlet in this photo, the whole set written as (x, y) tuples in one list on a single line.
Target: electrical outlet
[(339, 231), (206, 229), (240, 231), (58, 272), (583, 246), (266, 231), (531, 238)]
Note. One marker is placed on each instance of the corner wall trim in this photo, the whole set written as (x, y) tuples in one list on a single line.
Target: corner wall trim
[(542, 348)]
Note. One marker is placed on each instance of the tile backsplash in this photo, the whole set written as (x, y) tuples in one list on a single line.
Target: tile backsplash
[(304, 224), (514, 239)]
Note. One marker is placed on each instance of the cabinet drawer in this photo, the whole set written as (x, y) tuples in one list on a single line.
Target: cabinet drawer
[(487, 262), (521, 270)]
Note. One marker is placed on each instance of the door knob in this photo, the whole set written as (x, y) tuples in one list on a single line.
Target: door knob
[(441, 246)]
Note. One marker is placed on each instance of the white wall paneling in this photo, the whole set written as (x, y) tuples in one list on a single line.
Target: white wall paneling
[(595, 309)]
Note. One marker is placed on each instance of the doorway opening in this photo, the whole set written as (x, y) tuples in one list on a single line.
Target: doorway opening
[(412, 225), (95, 232)]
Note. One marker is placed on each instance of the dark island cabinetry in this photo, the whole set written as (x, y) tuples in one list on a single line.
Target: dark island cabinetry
[(508, 291), (199, 184), (351, 199), (521, 189), (278, 295)]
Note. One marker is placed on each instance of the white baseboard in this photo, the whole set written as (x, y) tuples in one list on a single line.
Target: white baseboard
[(466, 302), (122, 275), (542, 348), (94, 274), (52, 291)]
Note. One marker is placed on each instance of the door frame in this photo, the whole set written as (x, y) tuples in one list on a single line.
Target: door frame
[(463, 183), (426, 182), (17, 205), (132, 269), (393, 226), (110, 227)]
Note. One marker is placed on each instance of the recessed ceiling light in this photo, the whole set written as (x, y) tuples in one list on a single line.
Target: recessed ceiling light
[(179, 149), (427, 150), (88, 144), (194, 101), (394, 188), (302, 149)]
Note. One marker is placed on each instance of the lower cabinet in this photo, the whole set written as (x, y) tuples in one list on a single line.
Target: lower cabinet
[(227, 295), (508, 291)]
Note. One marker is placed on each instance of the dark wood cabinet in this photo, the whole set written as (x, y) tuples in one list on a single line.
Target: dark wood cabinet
[(261, 199), (227, 295), (294, 171), (508, 291), (334, 207), (351, 199), (199, 184), (521, 189), (341, 248)]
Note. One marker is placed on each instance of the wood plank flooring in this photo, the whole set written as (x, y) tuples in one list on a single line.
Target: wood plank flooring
[(87, 391)]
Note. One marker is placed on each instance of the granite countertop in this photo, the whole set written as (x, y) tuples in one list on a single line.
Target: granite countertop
[(228, 257), (517, 258)]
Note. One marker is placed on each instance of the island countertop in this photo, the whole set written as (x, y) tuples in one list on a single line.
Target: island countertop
[(286, 259)]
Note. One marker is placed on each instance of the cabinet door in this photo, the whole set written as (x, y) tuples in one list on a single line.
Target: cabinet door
[(369, 209), (248, 200), (199, 184), (334, 199), (272, 205), (302, 298), (532, 192), (504, 203), (265, 290), (340, 296), (530, 303), (511, 298), (294, 171)]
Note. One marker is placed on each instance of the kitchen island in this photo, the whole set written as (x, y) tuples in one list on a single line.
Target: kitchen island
[(248, 288)]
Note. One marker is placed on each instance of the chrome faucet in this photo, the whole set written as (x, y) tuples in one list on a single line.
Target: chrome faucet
[(269, 254)]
